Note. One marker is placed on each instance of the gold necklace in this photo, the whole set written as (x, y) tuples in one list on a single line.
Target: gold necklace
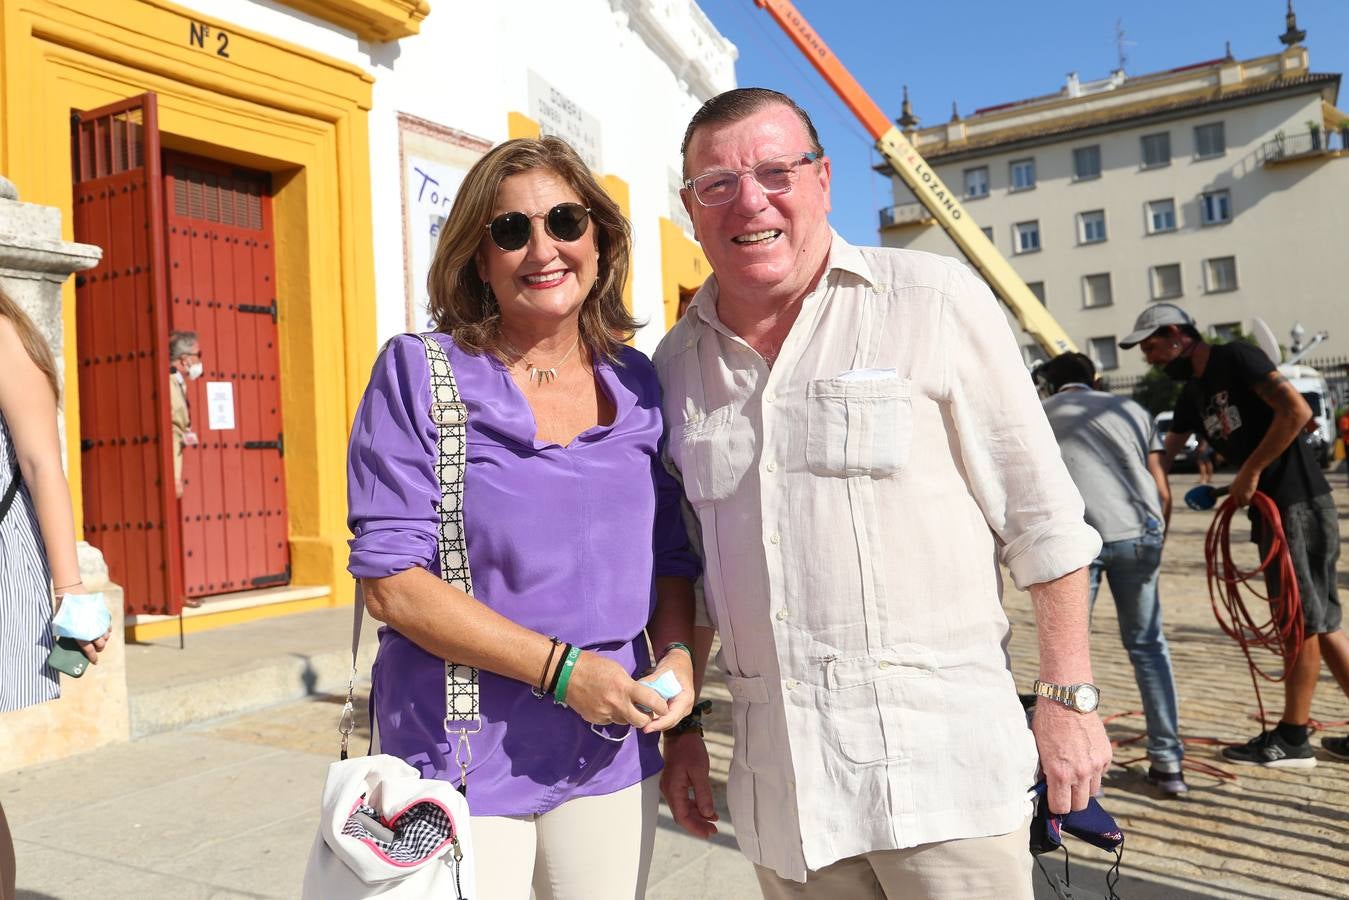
[(542, 374)]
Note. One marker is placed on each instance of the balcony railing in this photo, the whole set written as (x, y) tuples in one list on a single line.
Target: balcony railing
[(905, 214), (1284, 148)]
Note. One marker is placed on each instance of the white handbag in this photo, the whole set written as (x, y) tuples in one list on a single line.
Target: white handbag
[(384, 830)]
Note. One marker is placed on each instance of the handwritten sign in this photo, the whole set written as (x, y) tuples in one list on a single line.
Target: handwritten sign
[(560, 116)]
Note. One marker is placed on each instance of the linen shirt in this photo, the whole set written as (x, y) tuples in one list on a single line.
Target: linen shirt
[(563, 540), (854, 501)]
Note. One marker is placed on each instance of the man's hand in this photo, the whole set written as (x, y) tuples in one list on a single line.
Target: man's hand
[(687, 769), (681, 664), (1243, 486), (1074, 753)]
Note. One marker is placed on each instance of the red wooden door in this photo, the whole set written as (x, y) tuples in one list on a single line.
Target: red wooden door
[(121, 338), (222, 281)]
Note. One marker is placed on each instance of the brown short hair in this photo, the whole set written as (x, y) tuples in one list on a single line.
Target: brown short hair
[(741, 103), (32, 341), (464, 309)]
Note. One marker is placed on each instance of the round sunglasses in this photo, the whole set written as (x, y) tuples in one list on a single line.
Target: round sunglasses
[(564, 222)]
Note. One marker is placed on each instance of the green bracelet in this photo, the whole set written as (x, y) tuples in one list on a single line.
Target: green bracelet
[(564, 677), (677, 645)]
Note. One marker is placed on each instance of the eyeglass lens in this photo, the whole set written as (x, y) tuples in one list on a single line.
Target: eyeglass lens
[(564, 222), (773, 175)]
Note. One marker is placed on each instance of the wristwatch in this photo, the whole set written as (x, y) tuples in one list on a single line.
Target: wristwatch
[(1083, 697)]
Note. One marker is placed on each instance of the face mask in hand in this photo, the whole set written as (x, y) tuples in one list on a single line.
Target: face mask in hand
[(194, 371)]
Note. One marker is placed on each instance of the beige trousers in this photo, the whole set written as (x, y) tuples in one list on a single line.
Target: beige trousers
[(987, 868), (590, 848)]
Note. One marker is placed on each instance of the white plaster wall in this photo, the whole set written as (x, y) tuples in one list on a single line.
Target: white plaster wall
[(1289, 230), (469, 67)]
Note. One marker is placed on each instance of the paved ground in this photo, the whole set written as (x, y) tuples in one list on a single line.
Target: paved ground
[(225, 809)]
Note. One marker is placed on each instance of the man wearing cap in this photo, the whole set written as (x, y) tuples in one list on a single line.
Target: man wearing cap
[(1111, 448), (1236, 398)]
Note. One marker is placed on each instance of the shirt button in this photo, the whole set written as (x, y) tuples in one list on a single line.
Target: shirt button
[(772, 466), (775, 538), (784, 614), (884, 664), (791, 684), (770, 397)]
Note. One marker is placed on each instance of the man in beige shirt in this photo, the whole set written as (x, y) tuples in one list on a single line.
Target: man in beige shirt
[(184, 365), (861, 445)]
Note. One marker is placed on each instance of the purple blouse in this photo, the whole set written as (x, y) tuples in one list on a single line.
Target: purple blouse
[(563, 540)]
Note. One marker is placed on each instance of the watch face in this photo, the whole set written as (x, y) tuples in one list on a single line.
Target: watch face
[(1085, 697)]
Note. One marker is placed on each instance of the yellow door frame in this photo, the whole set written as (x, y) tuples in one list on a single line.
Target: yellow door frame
[(240, 96)]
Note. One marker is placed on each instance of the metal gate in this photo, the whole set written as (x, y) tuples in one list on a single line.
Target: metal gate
[(122, 323), (222, 281)]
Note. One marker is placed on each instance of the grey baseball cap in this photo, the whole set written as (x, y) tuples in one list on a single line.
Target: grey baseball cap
[(1158, 315)]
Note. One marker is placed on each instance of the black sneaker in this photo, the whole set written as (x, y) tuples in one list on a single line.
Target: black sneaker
[(1269, 749), (1336, 746), (1171, 784)]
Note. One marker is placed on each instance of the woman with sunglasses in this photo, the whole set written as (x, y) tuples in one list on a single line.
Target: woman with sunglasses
[(576, 545)]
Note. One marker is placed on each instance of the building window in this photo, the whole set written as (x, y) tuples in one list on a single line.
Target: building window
[(1091, 227), (1025, 237), (1220, 274), (1096, 290), (1087, 162), (1103, 353), (1033, 354), (1209, 140), (1166, 283), (988, 231), (1023, 174), (1226, 332), (1156, 150), (1038, 289), (1216, 207), (976, 183), (1161, 216)]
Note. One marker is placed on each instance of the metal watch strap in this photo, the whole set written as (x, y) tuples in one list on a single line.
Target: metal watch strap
[(1059, 693)]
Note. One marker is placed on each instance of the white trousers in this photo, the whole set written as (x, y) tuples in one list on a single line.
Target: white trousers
[(590, 848)]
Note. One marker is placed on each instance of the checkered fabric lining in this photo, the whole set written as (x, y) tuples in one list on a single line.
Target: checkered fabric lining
[(451, 418), (421, 832)]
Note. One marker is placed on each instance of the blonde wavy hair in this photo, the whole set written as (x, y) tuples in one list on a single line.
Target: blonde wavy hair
[(32, 340), (462, 305)]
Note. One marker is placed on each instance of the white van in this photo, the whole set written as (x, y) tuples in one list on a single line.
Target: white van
[(1311, 384)]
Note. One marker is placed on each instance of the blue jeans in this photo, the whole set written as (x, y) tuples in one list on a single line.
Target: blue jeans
[(1131, 567)]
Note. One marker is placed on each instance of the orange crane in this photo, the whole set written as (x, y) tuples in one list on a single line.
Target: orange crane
[(930, 190)]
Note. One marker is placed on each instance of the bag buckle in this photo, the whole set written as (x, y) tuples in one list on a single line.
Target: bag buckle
[(449, 412)]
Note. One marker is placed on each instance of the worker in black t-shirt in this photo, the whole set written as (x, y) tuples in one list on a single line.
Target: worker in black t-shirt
[(1237, 400)]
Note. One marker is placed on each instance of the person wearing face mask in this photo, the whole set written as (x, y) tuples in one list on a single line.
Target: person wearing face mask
[(1236, 397), (184, 366)]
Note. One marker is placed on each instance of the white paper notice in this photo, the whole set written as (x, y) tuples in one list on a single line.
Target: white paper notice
[(220, 405)]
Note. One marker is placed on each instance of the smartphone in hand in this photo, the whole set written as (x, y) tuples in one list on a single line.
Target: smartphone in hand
[(67, 657)]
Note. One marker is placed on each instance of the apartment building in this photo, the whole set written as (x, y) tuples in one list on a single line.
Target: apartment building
[(1222, 186)]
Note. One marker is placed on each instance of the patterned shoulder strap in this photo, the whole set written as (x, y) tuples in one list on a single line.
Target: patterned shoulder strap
[(451, 417)]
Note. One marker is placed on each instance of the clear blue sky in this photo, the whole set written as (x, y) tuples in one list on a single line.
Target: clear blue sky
[(985, 52)]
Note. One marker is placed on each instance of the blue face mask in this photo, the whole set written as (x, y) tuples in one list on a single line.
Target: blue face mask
[(1092, 824)]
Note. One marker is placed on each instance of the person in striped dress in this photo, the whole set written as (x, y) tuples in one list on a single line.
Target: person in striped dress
[(37, 531)]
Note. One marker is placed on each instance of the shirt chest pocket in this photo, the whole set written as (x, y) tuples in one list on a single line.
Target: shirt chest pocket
[(858, 427), (712, 458)]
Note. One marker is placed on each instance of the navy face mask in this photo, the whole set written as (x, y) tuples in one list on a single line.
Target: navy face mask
[(1092, 824)]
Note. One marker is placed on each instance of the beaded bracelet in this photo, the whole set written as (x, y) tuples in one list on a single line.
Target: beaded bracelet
[(693, 721), (541, 690), (564, 679)]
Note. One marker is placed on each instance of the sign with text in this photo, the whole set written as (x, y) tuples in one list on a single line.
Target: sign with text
[(220, 405), (560, 116)]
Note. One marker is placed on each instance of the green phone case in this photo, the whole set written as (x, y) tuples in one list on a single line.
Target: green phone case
[(66, 656)]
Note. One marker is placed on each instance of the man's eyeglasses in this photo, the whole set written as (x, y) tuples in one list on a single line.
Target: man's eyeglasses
[(564, 222), (774, 176)]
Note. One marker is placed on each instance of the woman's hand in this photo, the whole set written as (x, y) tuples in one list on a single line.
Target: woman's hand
[(603, 693), (681, 664), (91, 649)]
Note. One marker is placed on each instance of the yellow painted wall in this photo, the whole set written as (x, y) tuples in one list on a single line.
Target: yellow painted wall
[(682, 265), (269, 105)]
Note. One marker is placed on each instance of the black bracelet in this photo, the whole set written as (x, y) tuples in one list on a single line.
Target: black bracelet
[(693, 721), (552, 685), (539, 692)]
